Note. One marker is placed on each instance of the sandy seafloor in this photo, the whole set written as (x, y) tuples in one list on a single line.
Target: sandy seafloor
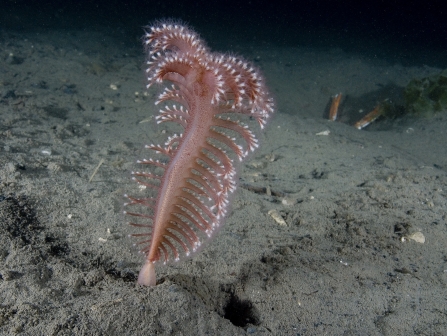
[(342, 264)]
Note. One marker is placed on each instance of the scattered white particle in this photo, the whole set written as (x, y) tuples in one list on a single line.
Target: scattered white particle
[(46, 152), (102, 240), (69, 216)]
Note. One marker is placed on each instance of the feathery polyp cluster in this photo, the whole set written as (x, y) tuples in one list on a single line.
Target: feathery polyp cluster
[(176, 51)]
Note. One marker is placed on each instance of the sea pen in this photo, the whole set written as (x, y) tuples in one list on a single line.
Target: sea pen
[(195, 175)]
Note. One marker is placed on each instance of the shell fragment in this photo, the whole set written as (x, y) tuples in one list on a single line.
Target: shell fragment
[(418, 237), (277, 217)]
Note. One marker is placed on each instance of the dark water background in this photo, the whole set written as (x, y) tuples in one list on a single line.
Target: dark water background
[(407, 32)]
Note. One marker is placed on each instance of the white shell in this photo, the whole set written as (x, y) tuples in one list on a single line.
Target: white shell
[(277, 217), (418, 237)]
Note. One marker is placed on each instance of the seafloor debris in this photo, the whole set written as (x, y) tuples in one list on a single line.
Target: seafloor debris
[(418, 237), (423, 97), (277, 217), (369, 118), (333, 111)]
